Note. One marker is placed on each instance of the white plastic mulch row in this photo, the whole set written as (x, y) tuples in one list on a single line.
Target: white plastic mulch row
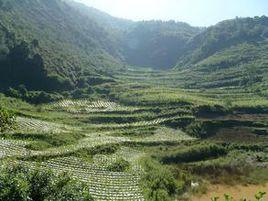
[(103, 184), (35, 125), (12, 148)]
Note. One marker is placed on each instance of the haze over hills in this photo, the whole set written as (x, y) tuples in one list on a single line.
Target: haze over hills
[(69, 45)]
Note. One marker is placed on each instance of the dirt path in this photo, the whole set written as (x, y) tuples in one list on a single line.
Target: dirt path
[(236, 192)]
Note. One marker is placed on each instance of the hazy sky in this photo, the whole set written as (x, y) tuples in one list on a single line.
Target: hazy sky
[(195, 12)]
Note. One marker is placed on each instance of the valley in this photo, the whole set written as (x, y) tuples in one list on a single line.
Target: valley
[(95, 107)]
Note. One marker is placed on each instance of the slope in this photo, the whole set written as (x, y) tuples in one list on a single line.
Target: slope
[(232, 53), (157, 44), (69, 45)]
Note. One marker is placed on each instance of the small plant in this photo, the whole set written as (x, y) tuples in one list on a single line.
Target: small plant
[(258, 197), (7, 119), (215, 199)]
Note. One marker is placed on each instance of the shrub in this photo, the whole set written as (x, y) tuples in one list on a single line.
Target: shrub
[(20, 183), (158, 182), (37, 97), (101, 149), (7, 119), (203, 129), (210, 110), (120, 165), (45, 140), (105, 149), (196, 153)]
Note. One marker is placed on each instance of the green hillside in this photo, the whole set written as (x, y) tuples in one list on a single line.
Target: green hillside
[(232, 53), (223, 36), (67, 46)]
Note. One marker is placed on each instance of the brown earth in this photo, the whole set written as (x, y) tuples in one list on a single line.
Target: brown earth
[(236, 192)]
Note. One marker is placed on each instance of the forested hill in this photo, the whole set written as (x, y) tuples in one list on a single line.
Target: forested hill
[(51, 41), (61, 45), (157, 44), (231, 53), (224, 35)]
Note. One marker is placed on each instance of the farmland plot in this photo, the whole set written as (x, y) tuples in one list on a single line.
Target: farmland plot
[(39, 126)]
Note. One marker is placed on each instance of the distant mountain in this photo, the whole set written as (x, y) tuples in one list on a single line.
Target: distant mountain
[(61, 45), (156, 44), (231, 53), (223, 36)]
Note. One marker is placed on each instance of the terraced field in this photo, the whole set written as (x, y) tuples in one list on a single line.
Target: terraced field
[(99, 128), (142, 119)]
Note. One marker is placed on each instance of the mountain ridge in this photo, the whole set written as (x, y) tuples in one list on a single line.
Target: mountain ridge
[(73, 47)]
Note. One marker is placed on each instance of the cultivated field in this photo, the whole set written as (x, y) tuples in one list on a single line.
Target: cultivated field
[(106, 143)]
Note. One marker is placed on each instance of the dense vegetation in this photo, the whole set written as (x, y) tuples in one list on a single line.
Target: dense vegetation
[(223, 36), (60, 58), (19, 183), (7, 120), (47, 44), (156, 44)]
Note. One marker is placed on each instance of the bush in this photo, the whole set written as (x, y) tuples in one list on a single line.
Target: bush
[(7, 119), (120, 165), (101, 149), (42, 141), (158, 182), (196, 153), (35, 97), (210, 110), (20, 183), (203, 129)]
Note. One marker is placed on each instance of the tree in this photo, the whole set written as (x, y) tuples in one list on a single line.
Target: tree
[(20, 183)]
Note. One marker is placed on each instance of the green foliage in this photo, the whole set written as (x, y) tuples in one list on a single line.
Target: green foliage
[(120, 165), (210, 110), (203, 129), (196, 153), (47, 62), (158, 182), (143, 40), (224, 35), (21, 183), (105, 149), (63, 58), (35, 97), (101, 149), (41, 141), (7, 119)]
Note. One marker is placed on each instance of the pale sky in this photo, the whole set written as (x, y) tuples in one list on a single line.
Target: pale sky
[(194, 12)]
